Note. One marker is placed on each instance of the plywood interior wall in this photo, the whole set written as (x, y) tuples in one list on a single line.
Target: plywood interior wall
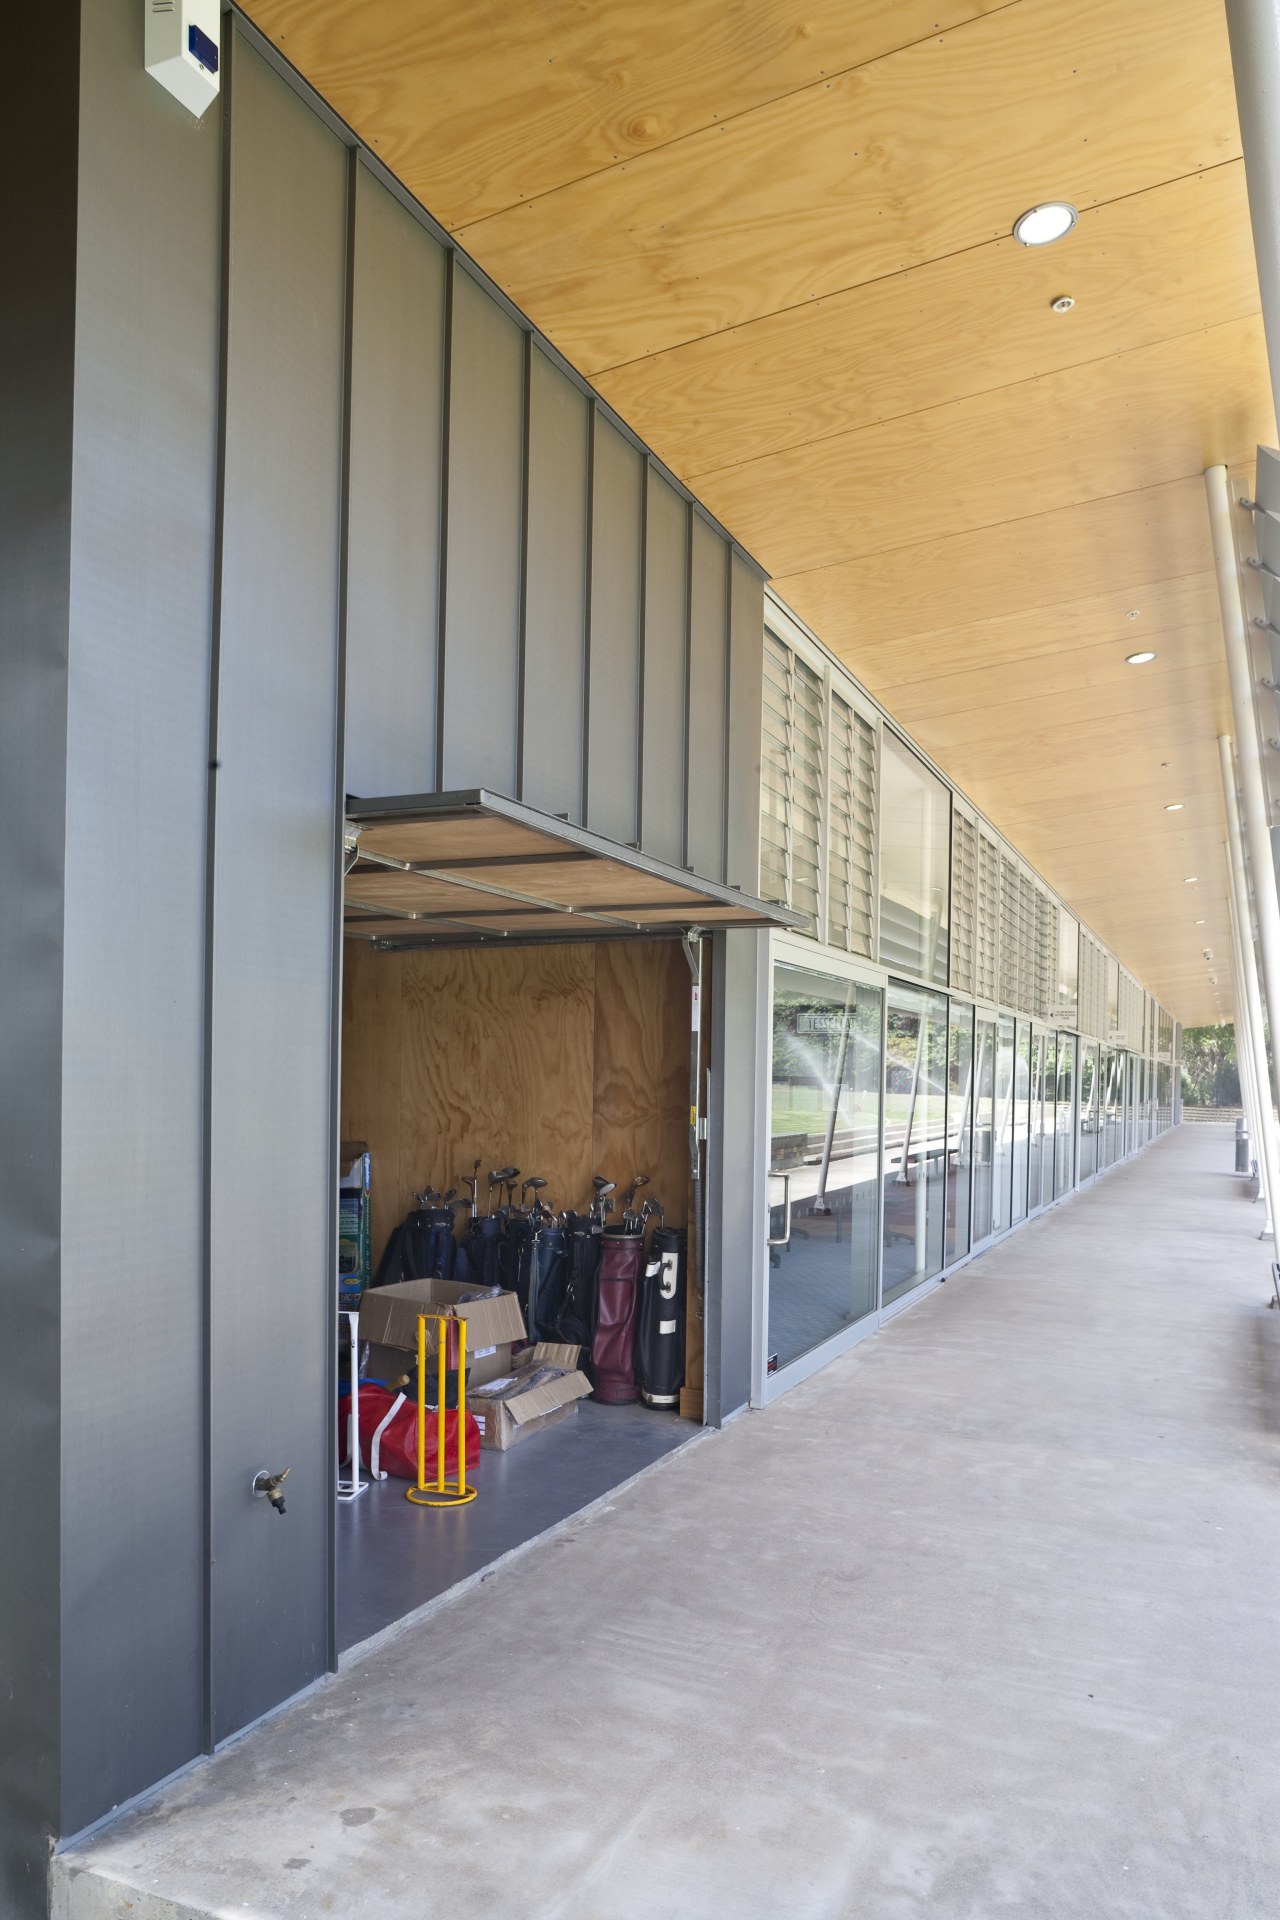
[(565, 1061)]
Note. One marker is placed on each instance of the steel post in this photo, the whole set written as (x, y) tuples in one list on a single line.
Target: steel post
[(1254, 30), (1253, 812), (1268, 1146)]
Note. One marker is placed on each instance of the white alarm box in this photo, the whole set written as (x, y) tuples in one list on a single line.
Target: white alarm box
[(182, 39)]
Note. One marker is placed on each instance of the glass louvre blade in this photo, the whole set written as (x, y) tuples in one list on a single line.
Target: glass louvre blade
[(964, 902)]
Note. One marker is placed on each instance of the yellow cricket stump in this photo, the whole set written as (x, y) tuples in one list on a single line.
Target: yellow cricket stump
[(441, 1495)]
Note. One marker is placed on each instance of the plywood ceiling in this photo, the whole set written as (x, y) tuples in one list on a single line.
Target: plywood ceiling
[(778, 241)]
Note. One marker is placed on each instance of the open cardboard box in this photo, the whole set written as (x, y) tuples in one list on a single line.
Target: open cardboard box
[(508, 1410), (389, 1318)]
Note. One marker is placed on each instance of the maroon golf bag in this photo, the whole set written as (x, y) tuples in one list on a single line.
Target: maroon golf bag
[(660, 1319), (612, 1369)]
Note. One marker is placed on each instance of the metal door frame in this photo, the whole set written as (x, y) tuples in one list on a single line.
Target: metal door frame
[(790, 949)]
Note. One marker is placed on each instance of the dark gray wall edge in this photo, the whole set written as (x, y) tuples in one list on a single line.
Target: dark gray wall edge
[(39, 148)]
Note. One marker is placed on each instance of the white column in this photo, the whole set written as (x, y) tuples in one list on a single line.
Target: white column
[(1254, 814), (1254, 30), (1268, 1141), (1245, 1063)]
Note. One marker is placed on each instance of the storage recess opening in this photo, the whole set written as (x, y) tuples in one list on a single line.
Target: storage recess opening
[(524, 1073)]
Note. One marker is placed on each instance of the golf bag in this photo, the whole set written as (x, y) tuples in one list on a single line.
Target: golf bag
[(477, 1262), (612, 1369), (548, 1275), (421, 1248), (515, 1253), (660, 1319), (575, 1323)]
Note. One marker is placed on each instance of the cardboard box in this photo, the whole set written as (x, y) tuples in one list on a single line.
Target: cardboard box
[(508, 1410), (389, 1318)]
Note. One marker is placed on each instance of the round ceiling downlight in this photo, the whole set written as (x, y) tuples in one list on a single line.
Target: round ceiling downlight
[(1173, 806), (1038, 226), (1138, 659)]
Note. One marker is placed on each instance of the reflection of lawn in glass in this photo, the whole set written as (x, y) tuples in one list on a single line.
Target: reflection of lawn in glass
[(803, 1110)]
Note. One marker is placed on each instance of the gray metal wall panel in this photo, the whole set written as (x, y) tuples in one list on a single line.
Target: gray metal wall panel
[(708, 704), (39, 83), (271, 1280), (133, 1136), (746, 695), (393, 564), (613, 677), (484, 509), (666, 667), (735, 1165), (555, 591)]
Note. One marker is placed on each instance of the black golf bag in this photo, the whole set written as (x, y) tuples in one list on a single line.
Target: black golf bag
[(478, 1257), (421, 1248), (548, 1277), (612, 1368), (515, 1251), (660, 1319), (575, 1322)]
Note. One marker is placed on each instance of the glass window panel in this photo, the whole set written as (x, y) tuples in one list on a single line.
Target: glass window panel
[(1035, 1121), (1021, 1119), (1003, 1159), (984, 1082), (1064, 1163), (1068, 969), (915, 860), (915, 1139), (825, 1136), (1048, 1117), (1089, 1117), (959, 1129)]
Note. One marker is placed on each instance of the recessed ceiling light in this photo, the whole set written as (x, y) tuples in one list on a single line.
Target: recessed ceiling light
[(1039, 225), (1191, 879), (1173, 806), (1199, 923), (1138, 659)]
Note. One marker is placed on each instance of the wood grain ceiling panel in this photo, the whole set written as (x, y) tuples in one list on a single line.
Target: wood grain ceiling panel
[(781, 246), (481, 107), (1141, 269), (1039, 559), (934, 148), (1160, 412), (1151, 615)]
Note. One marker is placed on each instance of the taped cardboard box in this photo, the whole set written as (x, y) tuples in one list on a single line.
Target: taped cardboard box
[(389, 1318), (508, 1410)]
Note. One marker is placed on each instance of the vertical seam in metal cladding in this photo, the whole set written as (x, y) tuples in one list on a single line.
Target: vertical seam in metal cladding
[(726, 716), (211, 832), (588, 563), (522, 632), (335, 983), (642, 616), (688, 680), (442, 591)]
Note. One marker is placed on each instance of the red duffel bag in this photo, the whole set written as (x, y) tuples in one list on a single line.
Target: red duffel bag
[(398, 1440)]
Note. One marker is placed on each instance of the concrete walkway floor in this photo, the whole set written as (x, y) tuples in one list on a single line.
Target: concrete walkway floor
[(981, 1621)]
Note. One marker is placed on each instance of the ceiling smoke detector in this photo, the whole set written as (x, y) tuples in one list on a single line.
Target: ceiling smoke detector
[(1063, 303)]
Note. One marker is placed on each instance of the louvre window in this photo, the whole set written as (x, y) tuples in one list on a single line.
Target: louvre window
[(964, 902), (851, 878), (1045, 1002), (987, 981), (1010, 942), (1026, 999), (791, 793)]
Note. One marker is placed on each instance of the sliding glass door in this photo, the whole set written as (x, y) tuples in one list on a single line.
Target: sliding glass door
[(984, 1085), (959, 1129), (915, 1139), (824, 1160)]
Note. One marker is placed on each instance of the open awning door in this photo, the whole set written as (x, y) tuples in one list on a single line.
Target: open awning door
[(457, 869)]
